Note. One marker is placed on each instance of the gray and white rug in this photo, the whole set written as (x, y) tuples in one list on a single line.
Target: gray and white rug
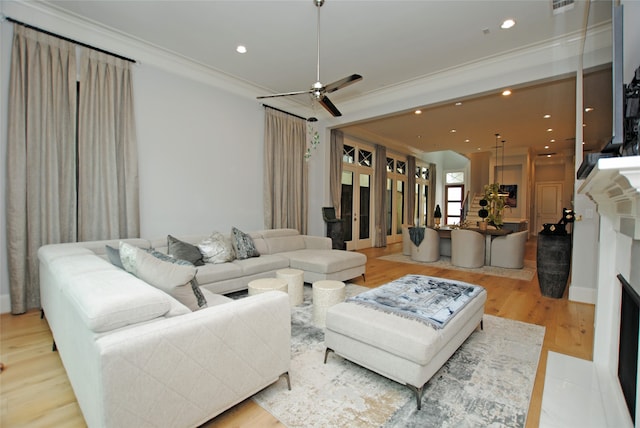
[(525, 274), (487, 382)]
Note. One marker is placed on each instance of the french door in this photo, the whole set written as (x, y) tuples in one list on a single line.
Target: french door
[(356, 207)]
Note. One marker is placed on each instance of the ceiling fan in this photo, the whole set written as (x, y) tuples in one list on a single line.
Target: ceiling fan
[(318, 90)]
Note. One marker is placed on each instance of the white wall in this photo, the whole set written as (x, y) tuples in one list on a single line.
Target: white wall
[(201, 154)]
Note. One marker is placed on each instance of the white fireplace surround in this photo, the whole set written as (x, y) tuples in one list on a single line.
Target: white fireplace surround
[(587, 393)]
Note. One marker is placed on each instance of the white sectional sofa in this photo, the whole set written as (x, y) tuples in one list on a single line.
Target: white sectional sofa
[(137, 357), (279, 249)]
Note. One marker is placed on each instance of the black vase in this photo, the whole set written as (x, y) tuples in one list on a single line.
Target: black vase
[(553, 260)]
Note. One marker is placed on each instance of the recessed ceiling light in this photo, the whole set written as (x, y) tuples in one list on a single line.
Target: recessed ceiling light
[(547, 116), (549, 129), (453, 131), (419, 136), (467, 140), (478, 149), (241, 49), (552, 141), (589, 109), (584, 124), (418, 112), (546, 147), (507, 23), (458, 103), (506, 92)]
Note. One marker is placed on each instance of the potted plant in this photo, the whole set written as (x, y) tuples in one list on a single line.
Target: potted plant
[(483, 214), (437, 215)]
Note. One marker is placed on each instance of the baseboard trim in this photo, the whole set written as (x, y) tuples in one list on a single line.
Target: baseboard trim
[(582, 294)]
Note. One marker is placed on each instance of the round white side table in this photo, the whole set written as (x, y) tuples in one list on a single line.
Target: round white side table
[(326, 293), (295, 282), (267, 284)]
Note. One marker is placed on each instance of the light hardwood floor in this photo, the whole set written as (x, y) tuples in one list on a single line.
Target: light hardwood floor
[(35, 392)]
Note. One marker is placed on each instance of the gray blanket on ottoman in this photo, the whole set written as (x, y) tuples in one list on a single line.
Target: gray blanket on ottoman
[(431, 300)]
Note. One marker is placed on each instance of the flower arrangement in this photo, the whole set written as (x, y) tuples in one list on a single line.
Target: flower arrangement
[(495, 205)]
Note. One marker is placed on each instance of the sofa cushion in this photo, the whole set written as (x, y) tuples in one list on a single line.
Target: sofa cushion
[(210, 273), (261, 264), (183, 250), (172, 278), (285, 243), (324, 261), (217, 248), (243, 244), (110, 299)]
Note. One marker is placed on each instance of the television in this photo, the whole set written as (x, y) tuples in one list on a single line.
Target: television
[(614, 146)]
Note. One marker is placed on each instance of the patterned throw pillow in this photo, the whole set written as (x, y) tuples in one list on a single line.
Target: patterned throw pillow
[(217, 248), (184, 251), (243, 244)]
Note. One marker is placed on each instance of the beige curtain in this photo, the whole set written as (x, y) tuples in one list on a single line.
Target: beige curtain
[(41, 168), (335, 170), (380, 197), (285, 171), (107, 152), (411, 190)]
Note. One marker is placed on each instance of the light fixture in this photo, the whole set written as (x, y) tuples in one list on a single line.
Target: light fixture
[(547, 116), (546, 147), (506, 92), (453, 131), (588, 109), (501, 194), (458, 103), (549, 129), (467, 140), (507, 23), (241, 49), (552, 141), (418, 112)]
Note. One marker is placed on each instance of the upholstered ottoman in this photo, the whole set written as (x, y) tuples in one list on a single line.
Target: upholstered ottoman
[(405, 350)]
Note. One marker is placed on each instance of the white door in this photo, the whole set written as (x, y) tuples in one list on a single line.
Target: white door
[(548, 204)]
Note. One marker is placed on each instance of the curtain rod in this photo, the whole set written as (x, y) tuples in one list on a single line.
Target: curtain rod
[(290, 114), (15, 21)]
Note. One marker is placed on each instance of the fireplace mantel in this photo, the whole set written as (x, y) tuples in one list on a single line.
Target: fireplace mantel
[(614, 185), (588, 393)]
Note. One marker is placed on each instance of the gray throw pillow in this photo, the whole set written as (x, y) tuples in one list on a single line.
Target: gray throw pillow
[(184, 251), (243, 245), (113, 254)]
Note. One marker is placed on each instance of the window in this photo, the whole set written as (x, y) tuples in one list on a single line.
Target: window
[(454, 200), (395, 197)]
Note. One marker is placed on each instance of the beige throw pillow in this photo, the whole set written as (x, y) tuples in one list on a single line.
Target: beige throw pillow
[(173, 279)]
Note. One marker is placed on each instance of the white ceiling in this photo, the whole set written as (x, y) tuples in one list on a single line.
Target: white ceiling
[(388, 43)]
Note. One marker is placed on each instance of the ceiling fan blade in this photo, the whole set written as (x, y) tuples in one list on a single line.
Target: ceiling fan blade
[(326, 103), (331, 87), (285, 94)]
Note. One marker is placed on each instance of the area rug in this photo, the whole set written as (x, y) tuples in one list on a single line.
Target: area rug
[(487, 382), (525, 274)]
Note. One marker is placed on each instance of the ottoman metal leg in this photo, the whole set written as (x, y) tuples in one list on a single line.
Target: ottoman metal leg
[(418, 393)]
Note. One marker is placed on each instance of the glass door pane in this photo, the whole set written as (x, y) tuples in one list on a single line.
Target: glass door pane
[(365, 206), (346, 204), (389, 206), (399, 206)]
